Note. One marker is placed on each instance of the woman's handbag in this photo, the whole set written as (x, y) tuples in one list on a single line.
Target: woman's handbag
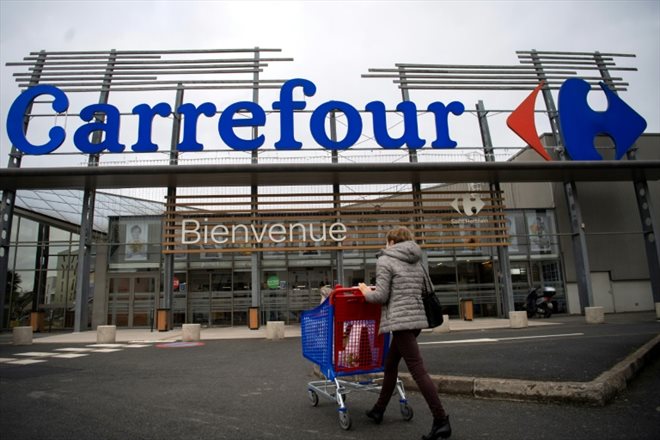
[(432, 306)]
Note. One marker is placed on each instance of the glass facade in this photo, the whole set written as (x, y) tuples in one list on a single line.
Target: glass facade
[(215, 289), (42, 272)]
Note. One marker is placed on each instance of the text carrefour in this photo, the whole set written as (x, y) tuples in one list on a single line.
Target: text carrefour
[(251, 115)]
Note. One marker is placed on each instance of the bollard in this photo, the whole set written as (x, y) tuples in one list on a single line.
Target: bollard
[(444, 328), (657, 310), (594, 315), (191, 332), (275, 330), (518, 319), (106, 334), (22, 335)]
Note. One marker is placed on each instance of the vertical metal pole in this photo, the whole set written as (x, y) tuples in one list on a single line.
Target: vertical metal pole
[(9, 197), (504, 276), (254, 192), (168, 289), (40, 266), (646, 213), (87, 218), (578, 237), (336, 196), (412, 157)]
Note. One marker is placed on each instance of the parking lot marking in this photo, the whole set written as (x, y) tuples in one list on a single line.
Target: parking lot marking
[(26, 361), (468, 341), (75, 350), (70, 355), (106, 345), (67, 353), (35, 354)]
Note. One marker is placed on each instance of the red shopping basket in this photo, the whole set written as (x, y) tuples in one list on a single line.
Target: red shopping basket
[(341, 335)]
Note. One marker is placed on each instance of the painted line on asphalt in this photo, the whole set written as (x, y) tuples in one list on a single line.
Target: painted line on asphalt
[(35, 354), (67, 353), (26, 361), (471, 341)]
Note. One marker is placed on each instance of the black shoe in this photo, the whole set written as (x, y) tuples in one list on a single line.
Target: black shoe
[(376, 415), (440, 429)]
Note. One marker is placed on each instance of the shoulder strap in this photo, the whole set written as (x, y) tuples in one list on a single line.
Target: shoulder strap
[(427, 281)]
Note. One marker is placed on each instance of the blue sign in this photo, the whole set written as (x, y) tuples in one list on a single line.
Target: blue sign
[(227, 123), (580, 124)]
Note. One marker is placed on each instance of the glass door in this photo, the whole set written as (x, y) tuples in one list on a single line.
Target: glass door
[(132, 300), (144, 299), (119, 301), (241, 297), (274, 295), (199, 298), (221, 298)]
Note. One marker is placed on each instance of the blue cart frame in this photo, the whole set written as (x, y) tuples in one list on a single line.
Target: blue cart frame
[(319, 345)]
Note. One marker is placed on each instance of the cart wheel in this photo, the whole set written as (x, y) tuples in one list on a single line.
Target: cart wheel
[(344, 420), (406, 412), (313, 397)]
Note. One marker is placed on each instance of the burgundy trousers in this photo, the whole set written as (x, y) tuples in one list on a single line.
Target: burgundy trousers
[(404, 345)]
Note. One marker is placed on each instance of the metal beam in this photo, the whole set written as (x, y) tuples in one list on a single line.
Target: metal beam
[(168, 288), (504, 276), (644, 205), (87, 218), (578, 237), (9, 199), (105, 177)]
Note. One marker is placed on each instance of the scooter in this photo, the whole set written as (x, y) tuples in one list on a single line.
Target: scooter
[(540, 304)]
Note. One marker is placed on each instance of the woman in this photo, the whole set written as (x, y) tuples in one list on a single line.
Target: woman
[(399, 283)]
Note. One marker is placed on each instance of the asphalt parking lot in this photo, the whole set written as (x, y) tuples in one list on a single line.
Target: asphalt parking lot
[(256, 389)]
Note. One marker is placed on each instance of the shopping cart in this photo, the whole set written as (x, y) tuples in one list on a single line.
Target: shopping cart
[(341, 337)]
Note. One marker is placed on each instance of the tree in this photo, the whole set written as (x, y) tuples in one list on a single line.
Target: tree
[(18, 300)]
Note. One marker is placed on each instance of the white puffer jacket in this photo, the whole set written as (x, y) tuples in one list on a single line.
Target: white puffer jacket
[(399, 284)]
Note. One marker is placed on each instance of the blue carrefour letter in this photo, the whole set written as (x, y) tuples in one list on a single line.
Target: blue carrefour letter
[(17, 113), (442, 122), (227, 123), (286, 105), (191, 114), (110, 127), (410, 135), (580, 124), (145, 118), (353, 123)]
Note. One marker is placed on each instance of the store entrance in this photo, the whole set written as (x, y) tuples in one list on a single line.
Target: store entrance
[(218, 297), (285, 294), (132, 299)]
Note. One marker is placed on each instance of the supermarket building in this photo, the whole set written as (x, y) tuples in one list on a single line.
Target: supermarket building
[(251, 228)]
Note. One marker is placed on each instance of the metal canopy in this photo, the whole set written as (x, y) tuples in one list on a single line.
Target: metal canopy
[(324, 174)]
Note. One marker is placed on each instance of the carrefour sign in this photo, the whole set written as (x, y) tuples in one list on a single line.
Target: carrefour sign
[(579, 123), (227, 123)]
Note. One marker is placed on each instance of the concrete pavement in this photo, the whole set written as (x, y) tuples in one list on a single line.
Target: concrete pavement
[(562, 359), (214, 333)]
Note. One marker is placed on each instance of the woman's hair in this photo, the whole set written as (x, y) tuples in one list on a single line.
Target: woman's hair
[(399, 234)]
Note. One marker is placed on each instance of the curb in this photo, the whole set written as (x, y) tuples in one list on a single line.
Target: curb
[(598, 392)]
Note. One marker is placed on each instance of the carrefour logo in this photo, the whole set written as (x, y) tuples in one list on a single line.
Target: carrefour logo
[(579, 123), (468, 205)]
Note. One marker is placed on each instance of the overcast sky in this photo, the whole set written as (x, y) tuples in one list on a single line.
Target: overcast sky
[(334, 42)]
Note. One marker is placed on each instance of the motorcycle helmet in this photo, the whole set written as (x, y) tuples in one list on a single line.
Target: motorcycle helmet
[(548, 289)]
